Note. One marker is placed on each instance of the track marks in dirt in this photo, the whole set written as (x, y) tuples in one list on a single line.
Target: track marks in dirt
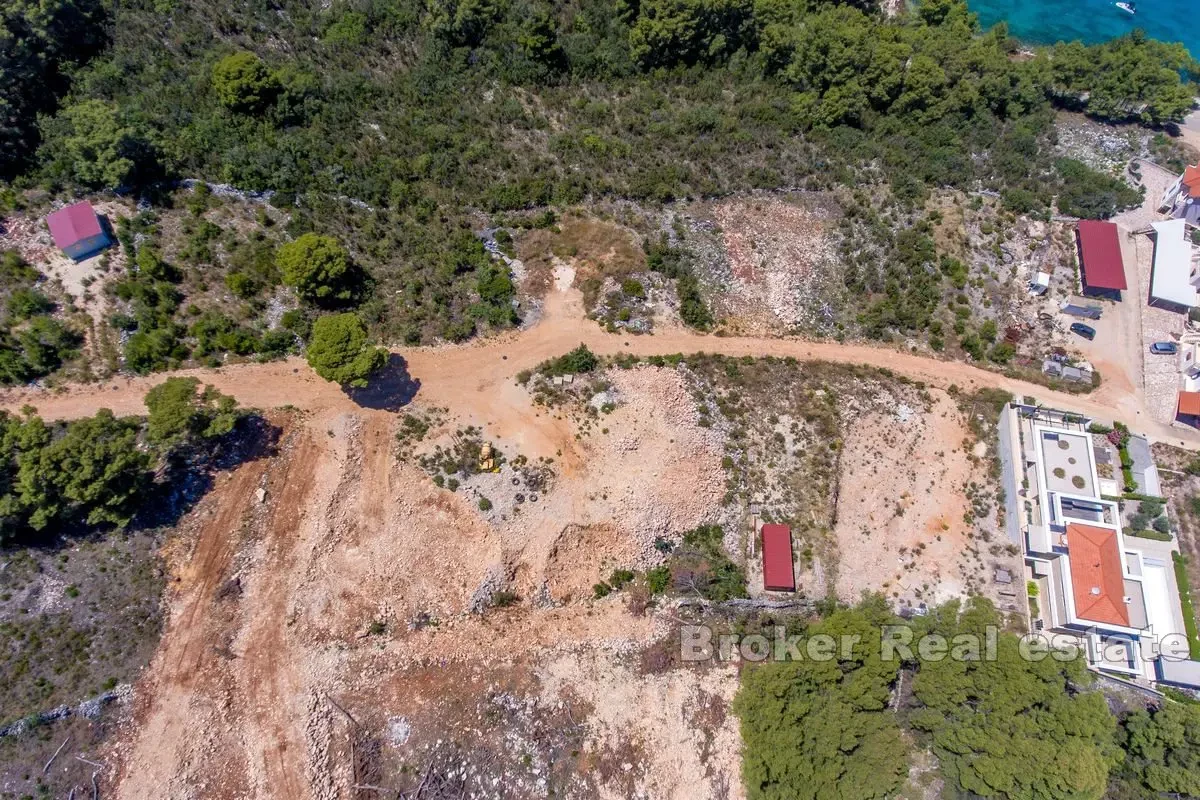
[(268, 681), (183, 684)]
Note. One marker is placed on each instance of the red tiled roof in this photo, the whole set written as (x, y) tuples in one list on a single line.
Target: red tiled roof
[(73, 223), (1097, 578), (1191, 180), (778, 574), (1102, 264), (1189, 403)]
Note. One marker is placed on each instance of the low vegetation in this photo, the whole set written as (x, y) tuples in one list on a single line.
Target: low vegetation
[(85, 507), (34, 342), (1187, 604), (388, 126), (700, 567)]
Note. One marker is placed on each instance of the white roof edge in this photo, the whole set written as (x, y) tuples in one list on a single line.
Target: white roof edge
[(1171, 276)]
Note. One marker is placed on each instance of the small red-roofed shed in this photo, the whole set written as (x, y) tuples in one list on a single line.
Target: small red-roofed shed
[(77, 231), (778, 570)]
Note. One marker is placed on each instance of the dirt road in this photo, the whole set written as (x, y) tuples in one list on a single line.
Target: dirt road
[(272, 593), (472, 379)]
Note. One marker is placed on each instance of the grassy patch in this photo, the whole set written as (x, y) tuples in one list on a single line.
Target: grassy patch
[(1147, 534), (1185, 600)]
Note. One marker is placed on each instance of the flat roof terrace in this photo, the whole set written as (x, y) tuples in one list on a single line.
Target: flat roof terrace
[(1067, 463)]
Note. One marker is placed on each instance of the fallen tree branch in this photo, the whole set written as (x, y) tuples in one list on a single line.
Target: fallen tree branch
[(46, 768), (95, 787), (334, 703), (95, 764)]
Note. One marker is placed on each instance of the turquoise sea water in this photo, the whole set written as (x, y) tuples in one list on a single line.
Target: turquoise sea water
[(1091, 21)]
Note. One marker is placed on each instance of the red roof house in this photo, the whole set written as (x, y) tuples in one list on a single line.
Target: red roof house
[(1097, 577), (1102, 268), (1188, 404), (778, 571), (77, 230), (1191, 181)]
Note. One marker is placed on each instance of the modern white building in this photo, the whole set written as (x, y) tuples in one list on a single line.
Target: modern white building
[(1111, 594), (1175, 278)]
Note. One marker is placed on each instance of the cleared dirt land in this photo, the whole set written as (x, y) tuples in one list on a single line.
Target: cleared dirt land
[(336, 619)]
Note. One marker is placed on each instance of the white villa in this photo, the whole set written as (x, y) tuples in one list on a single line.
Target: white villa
[(1112, 594)]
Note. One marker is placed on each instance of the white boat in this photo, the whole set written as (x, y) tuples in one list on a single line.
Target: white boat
[(1130, 7)]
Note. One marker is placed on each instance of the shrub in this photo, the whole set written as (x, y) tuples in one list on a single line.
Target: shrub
[(243, 82), (658, 579), (620, 577), (339, 351), (504, 599), (579, 360), (1155, 535), (25, 303)]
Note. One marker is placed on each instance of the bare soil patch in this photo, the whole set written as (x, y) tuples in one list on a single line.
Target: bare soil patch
[(778, 255), (903, 518), (595, 248)]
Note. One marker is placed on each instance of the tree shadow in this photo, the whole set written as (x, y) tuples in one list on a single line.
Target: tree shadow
[(188, 479), (173, 492), (390, 389)]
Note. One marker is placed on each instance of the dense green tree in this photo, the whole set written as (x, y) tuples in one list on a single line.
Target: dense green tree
[(154, 349), (47, 343), (243, 82), (89, 471), (218, 333), (463, 23), (538, 39), (1090, 194), (36, 349), (26, 302), (1163, 749), (669, 32), (182, 414), (318, 268), (1012, 727), (339, 350), (40, 41), (819, 728), (89, 143), (1129, 78), (150, 265)]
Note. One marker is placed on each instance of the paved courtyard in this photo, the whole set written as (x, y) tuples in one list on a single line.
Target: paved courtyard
[(1160, 374)]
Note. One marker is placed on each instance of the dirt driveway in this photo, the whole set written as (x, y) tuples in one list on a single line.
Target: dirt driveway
[(470, 378)]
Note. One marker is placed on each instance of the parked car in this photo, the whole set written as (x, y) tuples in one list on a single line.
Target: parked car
[(1164, 348), (1086, 331)]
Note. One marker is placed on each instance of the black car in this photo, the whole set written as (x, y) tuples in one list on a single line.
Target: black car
[(1086, 331)]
